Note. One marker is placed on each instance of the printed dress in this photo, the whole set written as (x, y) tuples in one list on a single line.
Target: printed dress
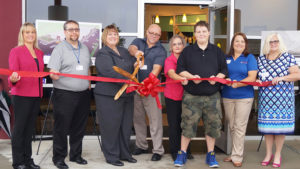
[(276, 104)]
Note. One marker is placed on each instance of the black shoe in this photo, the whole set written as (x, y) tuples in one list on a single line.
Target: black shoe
[(116, 163), (61, 165), (79, 160), (189, 156), (31, 165), (155, 157), (139, 151), (130, 160), (174, 156), (20, 167)]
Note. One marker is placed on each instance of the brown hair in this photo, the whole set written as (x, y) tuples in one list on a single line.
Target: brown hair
[(246, 50), (108, 28), (201, 23), (70, 21)]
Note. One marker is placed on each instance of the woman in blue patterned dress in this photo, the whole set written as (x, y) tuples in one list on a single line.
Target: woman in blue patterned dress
[(276, 104)]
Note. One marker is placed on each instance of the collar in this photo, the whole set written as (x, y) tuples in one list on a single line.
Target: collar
[(70, 46), (196, 47), (242, 55), (112, 51), (173, 58), (156, 44)]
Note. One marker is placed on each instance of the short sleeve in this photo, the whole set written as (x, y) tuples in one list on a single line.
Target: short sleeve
[(291, 61), (54, 62), (160, 58), (169, 65), (136, 42), (252, 63)]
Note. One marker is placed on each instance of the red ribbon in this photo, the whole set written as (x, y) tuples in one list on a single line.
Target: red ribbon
[(150, 86)]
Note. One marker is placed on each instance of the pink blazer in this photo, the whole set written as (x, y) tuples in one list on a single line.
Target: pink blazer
[(20, 59)]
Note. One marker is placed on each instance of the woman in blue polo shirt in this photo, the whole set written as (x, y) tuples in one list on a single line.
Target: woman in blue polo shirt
[(238, 97)]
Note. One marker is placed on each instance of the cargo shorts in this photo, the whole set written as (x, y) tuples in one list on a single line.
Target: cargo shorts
[(206, 107)]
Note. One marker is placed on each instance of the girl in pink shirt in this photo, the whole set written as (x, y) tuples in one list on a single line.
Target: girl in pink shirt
[(173, 95)]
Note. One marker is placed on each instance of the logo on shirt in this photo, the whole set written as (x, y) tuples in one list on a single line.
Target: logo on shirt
[(244, 62)]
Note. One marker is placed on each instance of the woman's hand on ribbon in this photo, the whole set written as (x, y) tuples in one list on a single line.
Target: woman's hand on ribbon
[(234, 84), (14, 77), (276, 80), (184, 81), (258, 81), (228, 84)]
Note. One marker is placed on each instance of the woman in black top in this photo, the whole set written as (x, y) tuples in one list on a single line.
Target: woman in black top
[(115, 116)]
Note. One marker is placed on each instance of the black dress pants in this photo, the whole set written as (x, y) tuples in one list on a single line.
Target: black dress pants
[(26, 110), (174, 110), (115, 122), (70, 110)]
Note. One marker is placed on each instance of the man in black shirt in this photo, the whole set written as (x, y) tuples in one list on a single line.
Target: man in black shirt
[(201, 99)]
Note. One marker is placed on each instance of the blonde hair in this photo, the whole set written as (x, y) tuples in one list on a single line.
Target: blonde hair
[(266, 47), (22, 29), (108, 28), (173, 38)]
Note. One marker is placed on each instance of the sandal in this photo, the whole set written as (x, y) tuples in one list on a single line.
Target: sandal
[(266, 163)]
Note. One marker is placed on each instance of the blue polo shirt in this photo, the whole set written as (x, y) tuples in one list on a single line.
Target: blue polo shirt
[(154, 55), (238, 70)]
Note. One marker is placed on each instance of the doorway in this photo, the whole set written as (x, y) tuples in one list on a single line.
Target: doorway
[(178, 17)]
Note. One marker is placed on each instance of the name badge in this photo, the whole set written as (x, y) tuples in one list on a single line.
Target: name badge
[(79, 67), (144, 67), (228, 61)]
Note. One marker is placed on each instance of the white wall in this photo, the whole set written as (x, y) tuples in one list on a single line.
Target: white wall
[(121, 12), (262, 15)]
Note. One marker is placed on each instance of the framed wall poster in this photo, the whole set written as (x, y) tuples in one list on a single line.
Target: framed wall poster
[(50, 33)]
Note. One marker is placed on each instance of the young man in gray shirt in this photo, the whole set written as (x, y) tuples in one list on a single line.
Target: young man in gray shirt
[(71, 97)]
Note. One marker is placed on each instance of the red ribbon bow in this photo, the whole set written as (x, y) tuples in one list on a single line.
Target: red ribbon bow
[(150, 86)]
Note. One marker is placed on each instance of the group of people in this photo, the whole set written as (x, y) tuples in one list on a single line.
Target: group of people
[(186, 102)]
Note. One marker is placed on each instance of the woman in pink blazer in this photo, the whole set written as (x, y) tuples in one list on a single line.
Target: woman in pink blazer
[(26, 94)]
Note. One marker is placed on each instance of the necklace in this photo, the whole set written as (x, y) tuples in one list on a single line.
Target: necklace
[(269, 56)]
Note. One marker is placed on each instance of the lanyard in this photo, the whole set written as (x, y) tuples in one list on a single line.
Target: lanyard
[(74, 52)]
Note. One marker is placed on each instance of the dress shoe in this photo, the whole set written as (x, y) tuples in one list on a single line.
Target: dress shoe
[(276, 165), (139, 151), (130, 160), (227, 159), (174, 156), (79, 160), (116, 163), (265, 163), (155, 157), (21, 167), (237, 164), (32, 166), (61, 165)]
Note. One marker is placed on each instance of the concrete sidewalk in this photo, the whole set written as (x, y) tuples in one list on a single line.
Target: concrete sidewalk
[(92, 153)]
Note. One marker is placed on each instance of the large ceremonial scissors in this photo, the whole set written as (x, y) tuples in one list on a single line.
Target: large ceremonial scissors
[(132, 76)]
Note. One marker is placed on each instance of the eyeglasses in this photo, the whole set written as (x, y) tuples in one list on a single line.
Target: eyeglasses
[(73, 30), (274, 42), (154, 34), (177, 44)]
